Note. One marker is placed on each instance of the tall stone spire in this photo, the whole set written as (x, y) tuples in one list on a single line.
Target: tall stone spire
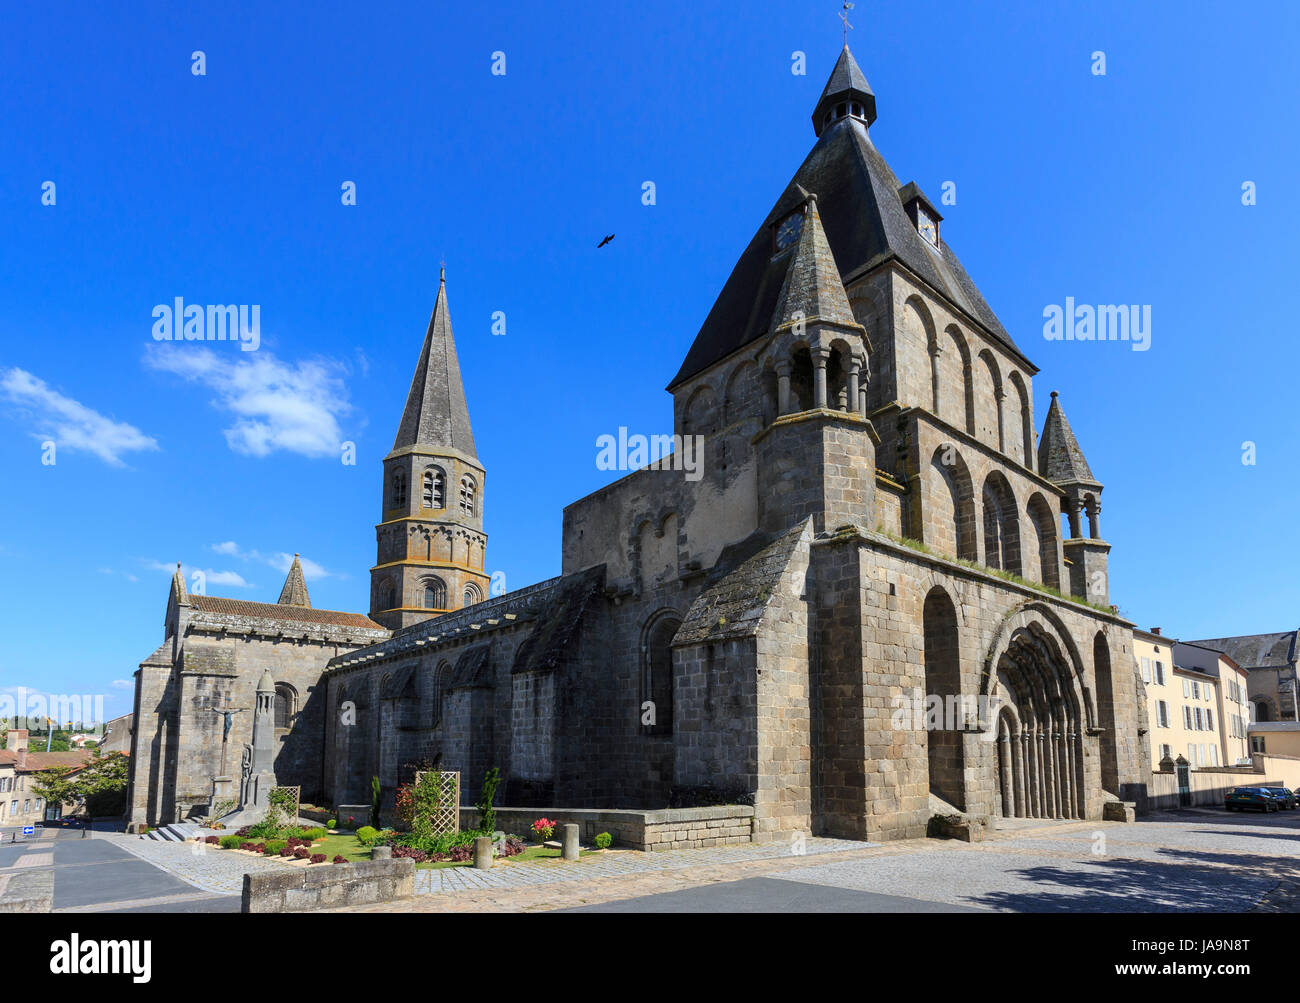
[(436, 413), (294, 592), (846, 93), (430, 544)]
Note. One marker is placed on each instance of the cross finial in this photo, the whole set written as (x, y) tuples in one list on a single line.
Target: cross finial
[(844, 16)]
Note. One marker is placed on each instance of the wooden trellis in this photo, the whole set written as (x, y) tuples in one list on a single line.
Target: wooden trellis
[(445, 817), (297, 802)]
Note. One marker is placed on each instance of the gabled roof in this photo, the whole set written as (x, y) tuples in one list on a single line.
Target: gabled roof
[(294, 592), (1060, 459), (274, 611), (436, 414), (865, 226)]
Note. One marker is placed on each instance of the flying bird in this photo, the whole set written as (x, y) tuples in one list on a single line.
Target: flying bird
[(605, 241)]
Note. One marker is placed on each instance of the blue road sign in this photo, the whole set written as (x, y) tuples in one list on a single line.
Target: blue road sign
[(29, 830)]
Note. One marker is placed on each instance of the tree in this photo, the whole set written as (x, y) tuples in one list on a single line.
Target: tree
[(99, 786)]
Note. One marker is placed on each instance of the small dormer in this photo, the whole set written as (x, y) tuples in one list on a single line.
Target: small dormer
[(921, 211)]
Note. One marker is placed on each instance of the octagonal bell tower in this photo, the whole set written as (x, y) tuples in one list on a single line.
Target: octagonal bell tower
[(430, 540)]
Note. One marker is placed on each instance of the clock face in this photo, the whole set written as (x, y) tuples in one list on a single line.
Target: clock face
[(927, 227), (788, 232)]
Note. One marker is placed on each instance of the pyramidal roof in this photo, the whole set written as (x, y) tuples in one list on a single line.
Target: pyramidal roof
[(866, 225), (1060, 459), (436, 414), (178, 586), (294, 592), (812, 285)]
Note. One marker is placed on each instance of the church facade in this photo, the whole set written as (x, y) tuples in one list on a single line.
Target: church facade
[(885, 598)]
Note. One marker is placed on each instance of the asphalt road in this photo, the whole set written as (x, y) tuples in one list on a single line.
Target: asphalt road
[(93, 875)]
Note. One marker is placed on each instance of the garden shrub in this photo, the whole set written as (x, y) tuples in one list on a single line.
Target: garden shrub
[(273, 846), (603, 840), (313, 833), (333, 823), (367, 835), (229, 842), (340, 859), (287, 852), (460, 854), (212, 839), (318, 858), (302, 852), (487, 814)]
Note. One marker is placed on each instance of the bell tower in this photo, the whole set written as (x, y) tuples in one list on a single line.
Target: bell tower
[(431, 548)]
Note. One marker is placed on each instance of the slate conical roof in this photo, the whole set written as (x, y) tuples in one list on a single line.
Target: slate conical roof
[(812, 283), (847, 83), (866, 225), (1060, 459), (436, 414), (294, 592)]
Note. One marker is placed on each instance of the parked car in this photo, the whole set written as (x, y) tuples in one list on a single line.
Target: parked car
[(1288, 799), (1242, 798)]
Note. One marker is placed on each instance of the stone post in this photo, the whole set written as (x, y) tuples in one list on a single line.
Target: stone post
[(381, 853), (570, 837), (483, 853)]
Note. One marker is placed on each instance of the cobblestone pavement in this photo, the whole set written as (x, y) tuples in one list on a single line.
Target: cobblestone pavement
[(1179, 861), (612, 863), (219, 871)]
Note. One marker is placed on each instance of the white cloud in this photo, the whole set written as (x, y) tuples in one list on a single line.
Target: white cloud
[(210, 576), (277, 406), (123, 684), (70, 424), (281, 560)]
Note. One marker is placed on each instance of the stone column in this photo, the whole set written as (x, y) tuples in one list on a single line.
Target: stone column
[(854, 403), (782, 388), (820, 357), (570, 842), (1094, 520), (482, 853)]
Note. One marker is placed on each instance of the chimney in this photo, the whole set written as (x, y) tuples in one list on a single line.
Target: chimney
[(22, 756), (17, 739), (1155, 630)]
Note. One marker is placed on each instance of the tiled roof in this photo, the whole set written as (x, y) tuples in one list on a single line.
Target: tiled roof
[(37, 761), (274, 611)]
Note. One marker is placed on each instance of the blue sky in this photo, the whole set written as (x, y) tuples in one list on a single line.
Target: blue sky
[(225, 188)]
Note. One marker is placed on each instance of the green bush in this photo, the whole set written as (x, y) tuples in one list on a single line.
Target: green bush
[(437, 844), (230, 842), (314, 833), (333, 823), (603, 841), (367, 835), (274, 846), (487, 813)]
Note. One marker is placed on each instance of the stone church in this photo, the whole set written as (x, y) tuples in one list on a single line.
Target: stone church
[(886, 596)]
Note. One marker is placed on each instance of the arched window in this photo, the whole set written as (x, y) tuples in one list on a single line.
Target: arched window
[(435, 593), (658, 686), (472, 595), (440, 680), (467, 494), (398, 495), (434, 488), (389, 595), (286, 701)]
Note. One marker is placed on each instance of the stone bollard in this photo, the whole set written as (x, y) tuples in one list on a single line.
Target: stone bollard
[(482, 853), (570, 838), (381, 853)]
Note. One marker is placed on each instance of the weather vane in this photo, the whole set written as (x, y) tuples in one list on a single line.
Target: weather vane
[(844, 16)]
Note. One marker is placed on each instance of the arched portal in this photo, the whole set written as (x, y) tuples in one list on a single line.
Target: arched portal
[(943, 733), (1040, 726)]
